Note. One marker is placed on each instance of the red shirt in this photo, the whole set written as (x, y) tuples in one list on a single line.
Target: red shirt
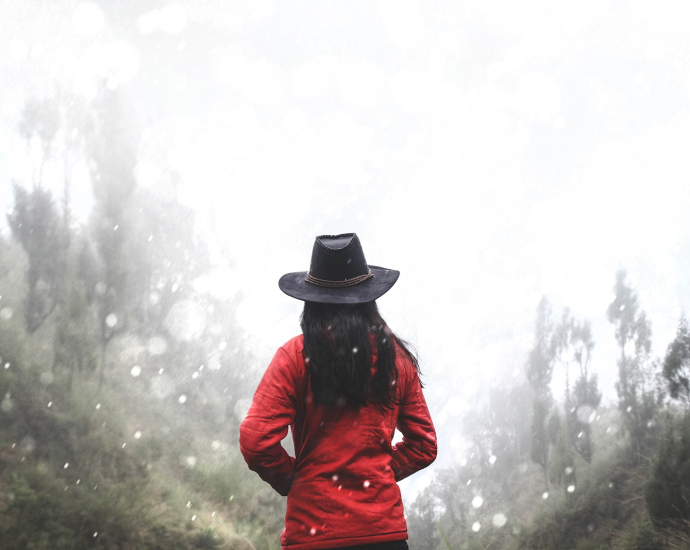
[(341, 487)]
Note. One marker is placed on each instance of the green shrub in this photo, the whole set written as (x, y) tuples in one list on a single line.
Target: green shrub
[(667, 493)]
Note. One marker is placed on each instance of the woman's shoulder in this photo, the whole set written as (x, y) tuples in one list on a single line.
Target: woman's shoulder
[(294, 345), (293, 349)]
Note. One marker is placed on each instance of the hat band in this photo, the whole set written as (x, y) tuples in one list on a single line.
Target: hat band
[(338, 284)]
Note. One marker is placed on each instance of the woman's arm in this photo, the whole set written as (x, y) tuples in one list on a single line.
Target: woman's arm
[(266, 424), (418, 447)]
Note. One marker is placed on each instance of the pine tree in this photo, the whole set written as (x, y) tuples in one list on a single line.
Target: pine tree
[(539, 372), (676, 368), (633, 333)]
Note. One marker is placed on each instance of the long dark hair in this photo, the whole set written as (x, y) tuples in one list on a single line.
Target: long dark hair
[(338, 354)]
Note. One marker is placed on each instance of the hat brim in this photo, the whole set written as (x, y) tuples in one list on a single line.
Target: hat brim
[(295, 285)]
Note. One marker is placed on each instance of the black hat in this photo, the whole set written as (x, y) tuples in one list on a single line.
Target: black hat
[(338, 274)]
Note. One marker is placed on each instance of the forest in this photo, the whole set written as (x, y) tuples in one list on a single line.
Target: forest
[(124, 383)]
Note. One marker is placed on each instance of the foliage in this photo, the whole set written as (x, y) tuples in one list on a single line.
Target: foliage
[(112, 153), (667, 493), (676, 368), (636, 398), (422, 520), (539, 371), (75, 342), (35, 223)]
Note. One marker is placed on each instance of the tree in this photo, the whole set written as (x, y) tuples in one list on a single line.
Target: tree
[(676, 369), (539, 372), (573, 344), (422, 520), (633, 334), (39, 125), (35, 223), (667, 494), (75, 342), (113, 158), (34, 220)]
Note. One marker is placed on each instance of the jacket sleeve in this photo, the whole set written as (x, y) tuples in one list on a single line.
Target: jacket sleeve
[(266, 424), (418, 448)]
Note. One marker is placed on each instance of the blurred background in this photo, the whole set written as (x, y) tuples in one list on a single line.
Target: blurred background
[(524, 165)]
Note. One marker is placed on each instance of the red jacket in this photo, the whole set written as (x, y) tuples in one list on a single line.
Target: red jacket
[(341, 487)]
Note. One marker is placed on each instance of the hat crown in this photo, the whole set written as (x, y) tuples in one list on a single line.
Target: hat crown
[(337, 258)]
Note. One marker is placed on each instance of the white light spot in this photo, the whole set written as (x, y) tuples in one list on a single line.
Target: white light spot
[(477, 501), (111, 320), (17, 50), (307, 81), (354, 350), (148, 22), (98, 406), (182, 399), (137, 435), (186, 320), (367, 483), (172, 19), (222, 346), (215, 445), (27, 444), (335, 477), (492, 459), (476, 526), (95, 534), (571, 488), (629, 409), (136, 371), (50, 403), (189, 504), (124, 445), (568, 470), (312, 531), (7, 404), (193, 517), (195, 375), (191, 461), (156, 345), (88, 19), (545, 495), (213, 514), (499, 520), (66, 465), (6, 313), (585, 414)]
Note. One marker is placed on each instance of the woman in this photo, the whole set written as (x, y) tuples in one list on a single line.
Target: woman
[(343, 386)]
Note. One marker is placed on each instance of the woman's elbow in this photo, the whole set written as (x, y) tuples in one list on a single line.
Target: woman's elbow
[(430, 449)]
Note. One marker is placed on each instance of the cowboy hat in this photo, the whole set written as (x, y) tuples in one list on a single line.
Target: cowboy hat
[(338, 274)]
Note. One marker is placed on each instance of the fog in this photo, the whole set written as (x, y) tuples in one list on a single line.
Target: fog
[(494, 152)]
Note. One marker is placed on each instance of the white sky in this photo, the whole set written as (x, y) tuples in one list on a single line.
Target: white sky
[(492, 151)]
